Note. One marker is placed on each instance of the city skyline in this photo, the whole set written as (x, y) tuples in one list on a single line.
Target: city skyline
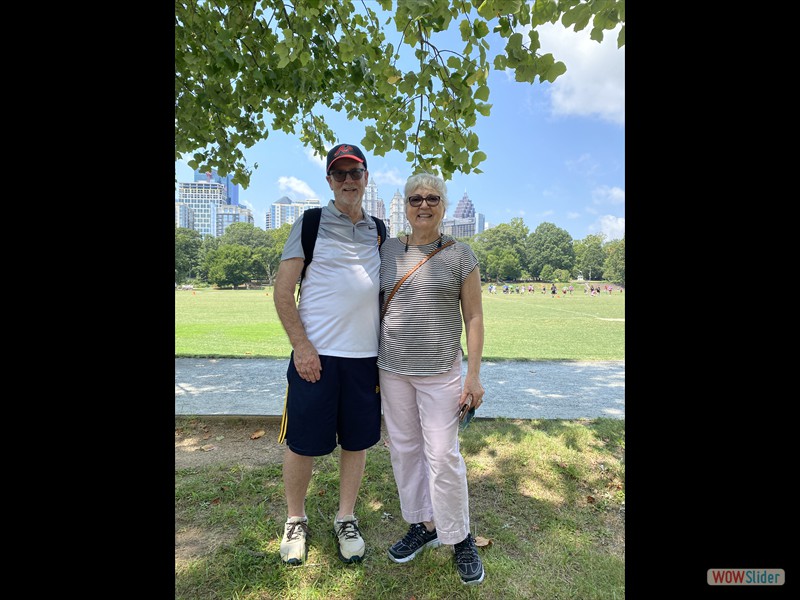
[(209, 205)]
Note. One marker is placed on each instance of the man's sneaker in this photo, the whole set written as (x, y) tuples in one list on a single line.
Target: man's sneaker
[(415, 540), (293, 544), (468, 563), (351, 544)]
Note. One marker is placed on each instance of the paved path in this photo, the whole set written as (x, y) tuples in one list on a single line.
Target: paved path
[(515, 390)]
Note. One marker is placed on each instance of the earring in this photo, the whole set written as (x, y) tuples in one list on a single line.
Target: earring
[(406, 243)]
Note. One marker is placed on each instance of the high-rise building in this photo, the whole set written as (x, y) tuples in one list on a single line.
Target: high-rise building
[(229, 214), (184, 215), (464, 210), (202, 199), (465, 222), (458, 228), (231, 189), (372, 204), (480, 223), (286, 210), (397, 215)]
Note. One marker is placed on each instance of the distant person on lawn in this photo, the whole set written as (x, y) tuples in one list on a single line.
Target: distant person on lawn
[(333, 395)]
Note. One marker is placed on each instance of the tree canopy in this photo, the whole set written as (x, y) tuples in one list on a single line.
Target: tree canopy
[(187, 250), (244, 68), (550, 246)]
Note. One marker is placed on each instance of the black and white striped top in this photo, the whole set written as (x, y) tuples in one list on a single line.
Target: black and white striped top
[(421, 331)]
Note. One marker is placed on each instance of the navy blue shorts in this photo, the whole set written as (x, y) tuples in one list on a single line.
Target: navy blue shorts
[(343, 407)]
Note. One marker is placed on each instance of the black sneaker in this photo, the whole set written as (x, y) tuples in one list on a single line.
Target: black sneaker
[(468, 563), (415, 540)]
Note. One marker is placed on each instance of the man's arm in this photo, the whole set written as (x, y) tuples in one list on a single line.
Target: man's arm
[(306, 359)]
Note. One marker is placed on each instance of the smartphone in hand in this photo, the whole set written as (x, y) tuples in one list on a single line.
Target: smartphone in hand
[(465, 416)]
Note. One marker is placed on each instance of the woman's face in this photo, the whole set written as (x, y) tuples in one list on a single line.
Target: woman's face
[(425, 219)]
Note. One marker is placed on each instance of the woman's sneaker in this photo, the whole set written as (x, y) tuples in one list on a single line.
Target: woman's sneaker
[(351, 544), (468, 563), (293, 545), (415, 540)]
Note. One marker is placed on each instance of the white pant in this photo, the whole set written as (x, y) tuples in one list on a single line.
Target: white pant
[(431, 476)]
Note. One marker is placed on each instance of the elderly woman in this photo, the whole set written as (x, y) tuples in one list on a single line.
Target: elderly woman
[(429, 283)]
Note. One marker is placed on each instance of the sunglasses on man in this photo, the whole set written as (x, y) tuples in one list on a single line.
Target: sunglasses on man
[(339, 175)]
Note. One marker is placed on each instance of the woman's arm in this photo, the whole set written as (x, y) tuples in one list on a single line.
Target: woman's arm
[(472, 313)]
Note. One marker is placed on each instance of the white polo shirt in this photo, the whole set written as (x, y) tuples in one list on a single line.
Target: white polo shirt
[(339, 304)]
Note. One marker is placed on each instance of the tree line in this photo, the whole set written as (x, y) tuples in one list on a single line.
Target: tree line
[(508, 251)]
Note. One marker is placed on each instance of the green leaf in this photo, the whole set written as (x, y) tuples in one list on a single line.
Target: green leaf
[(480, 29), (477, 159)]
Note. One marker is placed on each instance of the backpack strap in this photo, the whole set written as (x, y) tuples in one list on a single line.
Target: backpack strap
[(308, 236), (381, 230)]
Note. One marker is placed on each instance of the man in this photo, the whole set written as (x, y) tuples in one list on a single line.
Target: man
[(333, 394)]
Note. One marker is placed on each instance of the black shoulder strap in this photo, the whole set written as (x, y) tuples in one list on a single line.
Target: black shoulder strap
[(381, 230), (308, 236)]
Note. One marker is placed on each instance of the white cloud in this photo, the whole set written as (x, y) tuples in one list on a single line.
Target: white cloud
[(316, 158), (608, 195), (300, 188), (613, 227), (594, 83), (585, 165), (388, 177)]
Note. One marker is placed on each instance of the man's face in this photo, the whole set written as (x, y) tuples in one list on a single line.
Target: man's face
[(349, 191)]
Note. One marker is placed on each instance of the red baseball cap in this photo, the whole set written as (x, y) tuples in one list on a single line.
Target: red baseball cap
[(345, 151)]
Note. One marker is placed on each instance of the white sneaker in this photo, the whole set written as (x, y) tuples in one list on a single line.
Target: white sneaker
[(351, 544), (293, 545)]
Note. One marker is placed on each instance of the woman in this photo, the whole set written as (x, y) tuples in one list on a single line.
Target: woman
[(419, 362)]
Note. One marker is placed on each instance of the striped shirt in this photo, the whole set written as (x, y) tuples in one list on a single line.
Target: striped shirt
[(421, 331)]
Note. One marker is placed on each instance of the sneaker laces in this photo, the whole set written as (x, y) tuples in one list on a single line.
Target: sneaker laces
[(416, 533), (348, 529), (292, 534), (466, 551)]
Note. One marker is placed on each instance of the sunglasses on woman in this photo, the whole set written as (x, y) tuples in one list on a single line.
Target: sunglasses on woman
[(416, 201)]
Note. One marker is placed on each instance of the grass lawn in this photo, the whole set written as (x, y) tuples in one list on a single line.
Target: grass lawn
[(244, 324), (547, 499)]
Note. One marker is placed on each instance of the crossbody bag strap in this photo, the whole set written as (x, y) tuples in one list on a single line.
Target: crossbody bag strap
[(410, 271)]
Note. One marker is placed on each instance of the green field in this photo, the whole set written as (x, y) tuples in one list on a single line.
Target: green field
[(536, 326)]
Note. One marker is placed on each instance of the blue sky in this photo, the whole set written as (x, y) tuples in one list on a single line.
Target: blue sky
[(555, 152)]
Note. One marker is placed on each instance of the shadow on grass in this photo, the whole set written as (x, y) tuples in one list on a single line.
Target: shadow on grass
[(547, 496)]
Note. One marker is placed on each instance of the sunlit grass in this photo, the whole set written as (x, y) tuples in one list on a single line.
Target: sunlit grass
[(244, 324)]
